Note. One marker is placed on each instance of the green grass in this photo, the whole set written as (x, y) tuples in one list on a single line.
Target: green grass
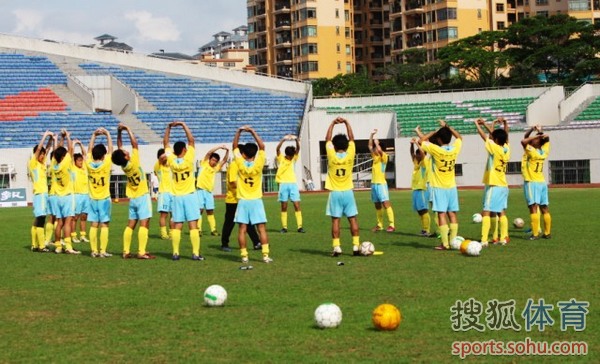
[(77, 309)]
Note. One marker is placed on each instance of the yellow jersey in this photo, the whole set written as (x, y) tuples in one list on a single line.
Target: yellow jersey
[(419, 175), (137, 182), (496, 164), (163, 172), (378, 170), (182, 171), (206, 176), (99, 177), (231, 178), (80, 180), (339, 168), (61, 172), (535, 162), (249, 181), (285, 169), (38, 175), (443, 160)]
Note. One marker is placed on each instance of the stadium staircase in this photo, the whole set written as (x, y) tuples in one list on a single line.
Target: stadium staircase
[(590, 114)]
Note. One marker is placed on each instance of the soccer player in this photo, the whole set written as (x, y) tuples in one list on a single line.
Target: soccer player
[(65, 200), (250, 162), (379, 188), (140, 204), (443, 180), (286, 177), (165, 196), (186, 206), (340, 162), (231, 203), (420, 190), (495, 195), (99, 165), (82, 195), (205, 184), (536, 148), (38, 175)]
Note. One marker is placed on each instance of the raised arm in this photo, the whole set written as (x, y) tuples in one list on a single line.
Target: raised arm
[(132, 138), (423, 137), (348, 129), (329, 134), (167, 136), (371, 141), (78, 142), (236, 137), (256, 137), (278, 147), (70, 148), (478, 123), (211, 151), (41, 143), (297, 140), (188, 134), (225, 157), (455, 133), (527, 137), (108, 140), (413, 141)]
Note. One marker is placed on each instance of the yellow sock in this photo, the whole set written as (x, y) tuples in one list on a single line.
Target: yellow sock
[(94, 239), (453, 231), (494, 227), (195, 240), (265, 250), (49, 232), (503, 228), (200, 224), (82, 234), (356, 240), (336, 242), (390, 216), (425, 222), (437, 223), (68, 244), (73, 235), (284, 219), (142, 240), (379, 215), (33, 232), (444, 235), (127, 234), (244, 253), (535, 224), (103, 239), (212, 223), (40, 237), (485, 228), (176, 240), (547, 223), (163, 232), (298, 215), (539, 215)]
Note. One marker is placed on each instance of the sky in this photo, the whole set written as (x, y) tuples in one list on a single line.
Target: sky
[(146, 25)]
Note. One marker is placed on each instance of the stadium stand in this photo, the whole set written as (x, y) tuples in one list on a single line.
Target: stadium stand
[(591, 114)]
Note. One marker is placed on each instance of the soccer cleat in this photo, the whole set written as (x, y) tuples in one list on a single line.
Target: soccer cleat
[(58, 250), (197, 257), (258, 246), (127, 255), (84, 239), (75, 240), (337, 251), (95, 255), (35, 249), (226, 249), (146, 256), (547, 236), (266, 259), (215, 233), (105, 255), (441, 247), (165, 237), (199, 233), (533, 237), (484, 244), (390, 229), (425, 234), (72, 251), (244, 259), (175, 257), (283, 231), (376, 228), (355, 251), (301, 230), (43, 250), (502, 242)]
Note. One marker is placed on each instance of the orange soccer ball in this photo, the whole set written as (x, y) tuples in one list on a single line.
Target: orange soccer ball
[(386, 317), (464, 245)]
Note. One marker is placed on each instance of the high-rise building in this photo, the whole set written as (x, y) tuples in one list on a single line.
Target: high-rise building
[(372, 36)]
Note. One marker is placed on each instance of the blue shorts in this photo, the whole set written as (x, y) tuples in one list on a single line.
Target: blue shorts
[(65, 206), (341, 203), (51, 204), (536, 193), (140, 208), (495, 198), (186, 208), (40, 204), (165, 202), (206, 200), (100, 210), (429, 193), (288, 192), (82, 203), (250, 211), (379, 192), (445, 199), (420, 200)]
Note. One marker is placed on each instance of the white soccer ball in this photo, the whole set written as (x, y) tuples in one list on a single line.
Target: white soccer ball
[(328, 315), (215, 295), (474, 249), (455, 243), (518, 223), (477, 218), (367, 248)]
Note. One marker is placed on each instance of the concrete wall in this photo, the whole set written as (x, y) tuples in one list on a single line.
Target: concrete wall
[(574, 101), (101, 88), (123, 98), (545, 109), (82, 91)]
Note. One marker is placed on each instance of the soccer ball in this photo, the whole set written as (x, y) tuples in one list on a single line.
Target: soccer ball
[(464, 245), (386, 317), (215, 295), (367, 248), (455, 243), (328, 315), (473, 249), (477, 218), (518, 223)]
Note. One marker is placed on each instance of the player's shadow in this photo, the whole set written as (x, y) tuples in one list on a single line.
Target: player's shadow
[(417, 245), (319, 252)]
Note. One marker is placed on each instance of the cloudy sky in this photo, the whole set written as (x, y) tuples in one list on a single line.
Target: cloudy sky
[(146, 25)]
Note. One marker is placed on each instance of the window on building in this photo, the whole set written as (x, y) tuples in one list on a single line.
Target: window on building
[(308, 31), (478, 13), (579, 5), (338, 48), (458, 170), (337, 13), (348, 49), (542, 13), (447, 33), (347, 32), (307, 13), (337, 30), (339, 66), (308, 48), (567, 172), (513, 168), (348, 67), (346, 15), (499, 8), (500, 25), (541, 2)]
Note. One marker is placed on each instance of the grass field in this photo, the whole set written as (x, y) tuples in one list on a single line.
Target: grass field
[(78, 309)]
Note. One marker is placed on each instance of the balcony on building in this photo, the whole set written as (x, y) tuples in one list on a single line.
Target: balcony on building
[(283, 58), (413, 26), (375, 5), (414, 7), (283, 23), (283, 40), (282, 7), (395, 9)]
